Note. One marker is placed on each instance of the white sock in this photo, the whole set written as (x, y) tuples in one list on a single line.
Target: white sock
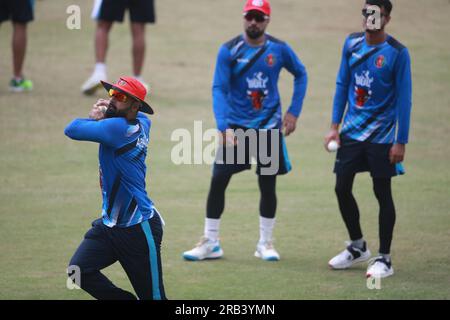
[(139, 78), (212, 227), (265, 229), (100, 67)]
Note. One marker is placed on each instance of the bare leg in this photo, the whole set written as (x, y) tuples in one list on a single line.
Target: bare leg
[(138, 33), (101, 47), (101, 40), (19, 46)]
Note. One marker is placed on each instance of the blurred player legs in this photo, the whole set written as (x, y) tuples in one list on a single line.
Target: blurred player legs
[(20, 12), (106, 12)]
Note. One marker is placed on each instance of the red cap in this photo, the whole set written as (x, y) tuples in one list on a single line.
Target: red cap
[(132, 87), (259, 5)]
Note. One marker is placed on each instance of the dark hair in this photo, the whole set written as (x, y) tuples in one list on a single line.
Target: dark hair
[(387, 4)]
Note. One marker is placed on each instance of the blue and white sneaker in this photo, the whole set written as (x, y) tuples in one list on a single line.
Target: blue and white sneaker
[(349, 257), (267, 252), (379, 267), (205, 249)]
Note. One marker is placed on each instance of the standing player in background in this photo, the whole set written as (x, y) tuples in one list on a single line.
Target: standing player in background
[(21, 13), (375, 81), (130, 230), (245, 97), (106, 12)]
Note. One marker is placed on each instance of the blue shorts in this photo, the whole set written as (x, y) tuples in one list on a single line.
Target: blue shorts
[(360, 156), (271, 158)]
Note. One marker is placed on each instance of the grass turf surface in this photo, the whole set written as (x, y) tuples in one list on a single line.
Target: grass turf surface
[(49, 190)]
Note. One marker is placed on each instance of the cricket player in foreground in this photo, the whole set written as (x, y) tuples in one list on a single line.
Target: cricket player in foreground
[(130, 230), (246, 99), (374, 82)]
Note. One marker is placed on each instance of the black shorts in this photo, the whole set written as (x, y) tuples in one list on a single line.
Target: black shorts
[(114, 10), (20, 11), (271, 158), (355, 156)]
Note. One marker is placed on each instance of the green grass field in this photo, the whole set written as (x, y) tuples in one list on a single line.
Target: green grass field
[(49, 190)]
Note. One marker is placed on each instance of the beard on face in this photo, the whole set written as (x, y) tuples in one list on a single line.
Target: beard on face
[(254, 33), (113, 112)]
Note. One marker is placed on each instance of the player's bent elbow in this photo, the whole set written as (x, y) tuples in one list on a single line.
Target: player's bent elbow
[(70, 130)]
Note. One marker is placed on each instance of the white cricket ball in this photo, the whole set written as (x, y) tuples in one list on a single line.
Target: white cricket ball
[(332, 146), (103, 109)]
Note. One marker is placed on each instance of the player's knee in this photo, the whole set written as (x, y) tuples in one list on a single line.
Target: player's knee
[(378, 192), (220, 179), (342, 190), (382, 189), (76, 266), (104, 26)]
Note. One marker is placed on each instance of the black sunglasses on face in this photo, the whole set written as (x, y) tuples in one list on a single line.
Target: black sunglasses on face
[(257, 17), (366, 13)]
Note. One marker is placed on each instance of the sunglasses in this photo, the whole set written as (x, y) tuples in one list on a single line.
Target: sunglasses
[(118, 95), (255, 16), (366, 13)]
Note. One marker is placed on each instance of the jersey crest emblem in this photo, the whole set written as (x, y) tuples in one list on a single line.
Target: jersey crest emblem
[(270, 60), (380, 61), (363, 84), (257, 89)]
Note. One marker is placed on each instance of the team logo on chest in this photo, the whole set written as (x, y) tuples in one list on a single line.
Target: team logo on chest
[(270, 60), (380, 61), (257, 91), (363, 84)]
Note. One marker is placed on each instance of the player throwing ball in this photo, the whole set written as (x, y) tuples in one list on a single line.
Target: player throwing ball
[(374, 82), (130, 230), (246, 99)]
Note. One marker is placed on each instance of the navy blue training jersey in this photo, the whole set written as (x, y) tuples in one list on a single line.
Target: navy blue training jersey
[(122, 153), (374, 82), (245, 90)]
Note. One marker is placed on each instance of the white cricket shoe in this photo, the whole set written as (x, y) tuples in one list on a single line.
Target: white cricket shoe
[(267, 252), (349, 257), (93, 83), (205, 249), (379, 267)]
